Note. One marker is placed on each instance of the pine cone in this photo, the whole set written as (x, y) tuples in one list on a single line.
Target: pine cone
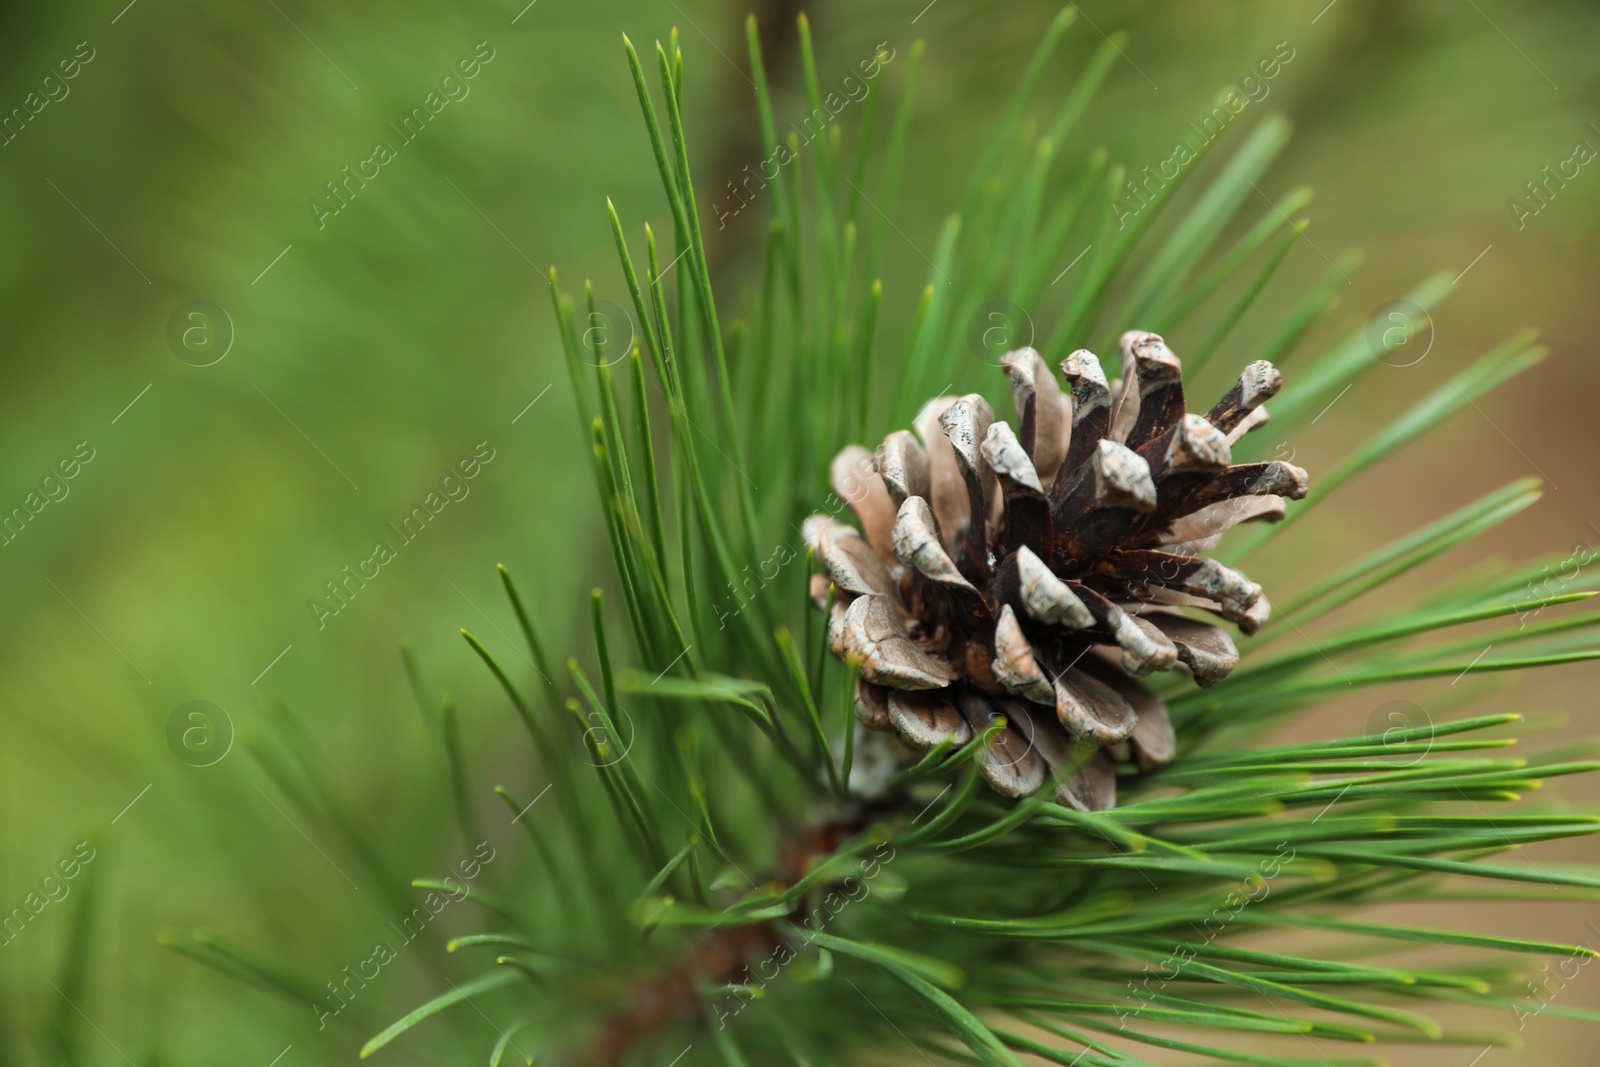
[(997, 573)]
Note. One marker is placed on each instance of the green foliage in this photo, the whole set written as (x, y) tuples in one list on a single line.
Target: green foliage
[(701, 830)]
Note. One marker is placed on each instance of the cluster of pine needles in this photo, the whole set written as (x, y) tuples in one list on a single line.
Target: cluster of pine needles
[(702, 886)]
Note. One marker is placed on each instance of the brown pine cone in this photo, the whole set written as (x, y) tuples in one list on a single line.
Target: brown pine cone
[(997, 573)]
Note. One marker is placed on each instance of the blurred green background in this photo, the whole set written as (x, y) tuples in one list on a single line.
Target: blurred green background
[(373, 352)]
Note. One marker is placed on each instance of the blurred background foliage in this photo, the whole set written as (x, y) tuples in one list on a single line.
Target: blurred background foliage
[(374, 353)]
